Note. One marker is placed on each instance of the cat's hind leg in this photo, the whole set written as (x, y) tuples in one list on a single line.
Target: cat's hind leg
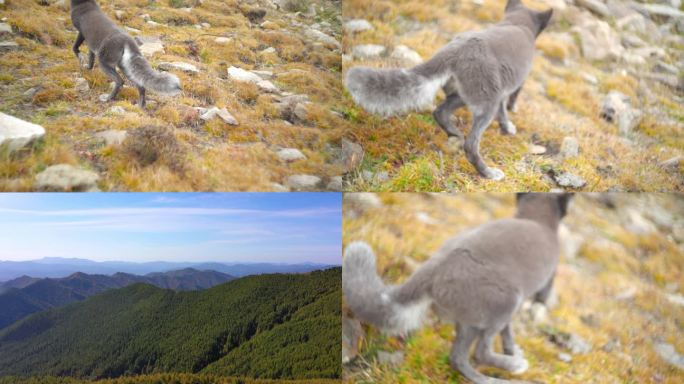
[(484, 354), (508, 341), (443, 115)]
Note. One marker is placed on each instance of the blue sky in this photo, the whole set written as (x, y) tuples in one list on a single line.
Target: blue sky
[(223, 227)]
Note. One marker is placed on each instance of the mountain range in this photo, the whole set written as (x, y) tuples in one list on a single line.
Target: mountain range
[(26, 295), (56, 267), (280, 326)]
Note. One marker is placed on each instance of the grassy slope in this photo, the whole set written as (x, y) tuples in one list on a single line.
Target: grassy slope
[(217, 156), (555, 102), (611, 261)]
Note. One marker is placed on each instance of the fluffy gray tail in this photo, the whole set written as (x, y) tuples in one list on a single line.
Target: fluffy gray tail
[(395, 309), (140, 72), (389, 92)]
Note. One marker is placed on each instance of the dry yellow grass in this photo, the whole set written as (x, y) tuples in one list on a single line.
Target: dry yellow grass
[(556, 101), (219, 157), (611, 261)]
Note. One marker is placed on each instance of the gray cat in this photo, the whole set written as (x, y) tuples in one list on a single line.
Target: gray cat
[(483, 70), (477, 280), (113, 48)]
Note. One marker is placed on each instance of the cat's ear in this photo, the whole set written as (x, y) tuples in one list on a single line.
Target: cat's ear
[(543, 19), (563, 200), (511, 4)]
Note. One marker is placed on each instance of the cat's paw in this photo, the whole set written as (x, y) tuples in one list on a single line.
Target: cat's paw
[(493, 174), (519, 366), (508, 129)]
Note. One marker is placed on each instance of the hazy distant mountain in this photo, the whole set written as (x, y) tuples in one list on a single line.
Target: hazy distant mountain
[(61, 267), (284, 326), (27, 295)]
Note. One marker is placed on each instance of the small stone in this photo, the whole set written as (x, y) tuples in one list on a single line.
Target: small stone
[(269, 50), (132, 30), (536, 149), (567, 179), (277, 187), (150, 45), (290, 154), (112, 136), (104, 97), (223, 40), (267, 86), (672, 163), (335, 184), (303, 182), (358, 202), (322, 37), (392, 359), (241, 75), (406, 55), (357, 25), (616, 109), (119, 14), (269, 25), (81, 85), (222, 113), (668, 353), (5, 28), (595, 6), (178, 65), (569, 147), (66, 178), (564, 357), (539, 314), (16, 133), (205, 25), (300, 111), (368, 51), (266, 75), (116, 110), (589, 78), (8, 46)]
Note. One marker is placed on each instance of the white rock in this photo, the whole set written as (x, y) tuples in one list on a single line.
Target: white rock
[(368, 51), (564, 357), (222, 113), (267, 86), (569, 147), (132, 30), (81, 85), (300, 111), (322, 37), (290, 154), (669, 354), (16, 133), (269, 50), (616, 109), (65, 177), (536, 149), (5, 28), (406, 55), (597, 40), (567, 179), (335, 184), (119, 14), (589, 78), (266, 75), (595, 6), (179, 65), (239, 74), (8, 46), (150, 45), (303, 182), (223, 40), (112, 136), (357, 25)]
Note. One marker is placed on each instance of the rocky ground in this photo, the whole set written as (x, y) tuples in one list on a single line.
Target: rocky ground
[(601, 110), (617, 314), (259, 108)]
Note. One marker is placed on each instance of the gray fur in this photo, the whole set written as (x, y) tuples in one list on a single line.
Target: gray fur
[(477, 280), (483, 70), (115, 48)]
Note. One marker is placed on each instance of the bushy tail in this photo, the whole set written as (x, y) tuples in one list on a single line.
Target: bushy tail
[(140, 72), (395, 309), (389, 92)]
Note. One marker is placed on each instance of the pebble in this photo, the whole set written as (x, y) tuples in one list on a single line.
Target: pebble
[(290, 154), (536, 149), (222, 113), (112, 136), (303, 182), (179, 65), (357, 25), (570, 180), (569, 147), (66, 178)]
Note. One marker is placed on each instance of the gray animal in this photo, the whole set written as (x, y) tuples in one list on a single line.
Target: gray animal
[(482, 70), (477, 280), (115, 48)]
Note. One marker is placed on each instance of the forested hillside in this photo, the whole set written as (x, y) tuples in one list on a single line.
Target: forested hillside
[(166, 378), (142, 329), (40, 294)]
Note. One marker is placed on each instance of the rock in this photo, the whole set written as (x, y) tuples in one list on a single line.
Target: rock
[(406, 55), (150, 45), (392, 359), (16, 133), (266, 75), (357, 203), (557, 5), (357, 25), (633, 41), (205, 25), (668, 353), (116, 110), (597, 40), (564, 357), (267, 86), (335, 184), (672, 163), (6, 46), (179, 65), (595, 6), (572, 342), (368, 51), (5, 28), (29, 93), (269, 50), (222, 113), (288, 104), (375, 177), (659, 11), (241, 75), (616, 109), (223, 40), (675, 299), (300, 111), (112, 136), (348, 155), (352, 335), (664, 67), (269, 25), (132, 30), (119, 14), (290, 154), (536, 149), (303, 182), (322, 37), (569, 147), (569, 180), (66, 178), (81, 85)]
